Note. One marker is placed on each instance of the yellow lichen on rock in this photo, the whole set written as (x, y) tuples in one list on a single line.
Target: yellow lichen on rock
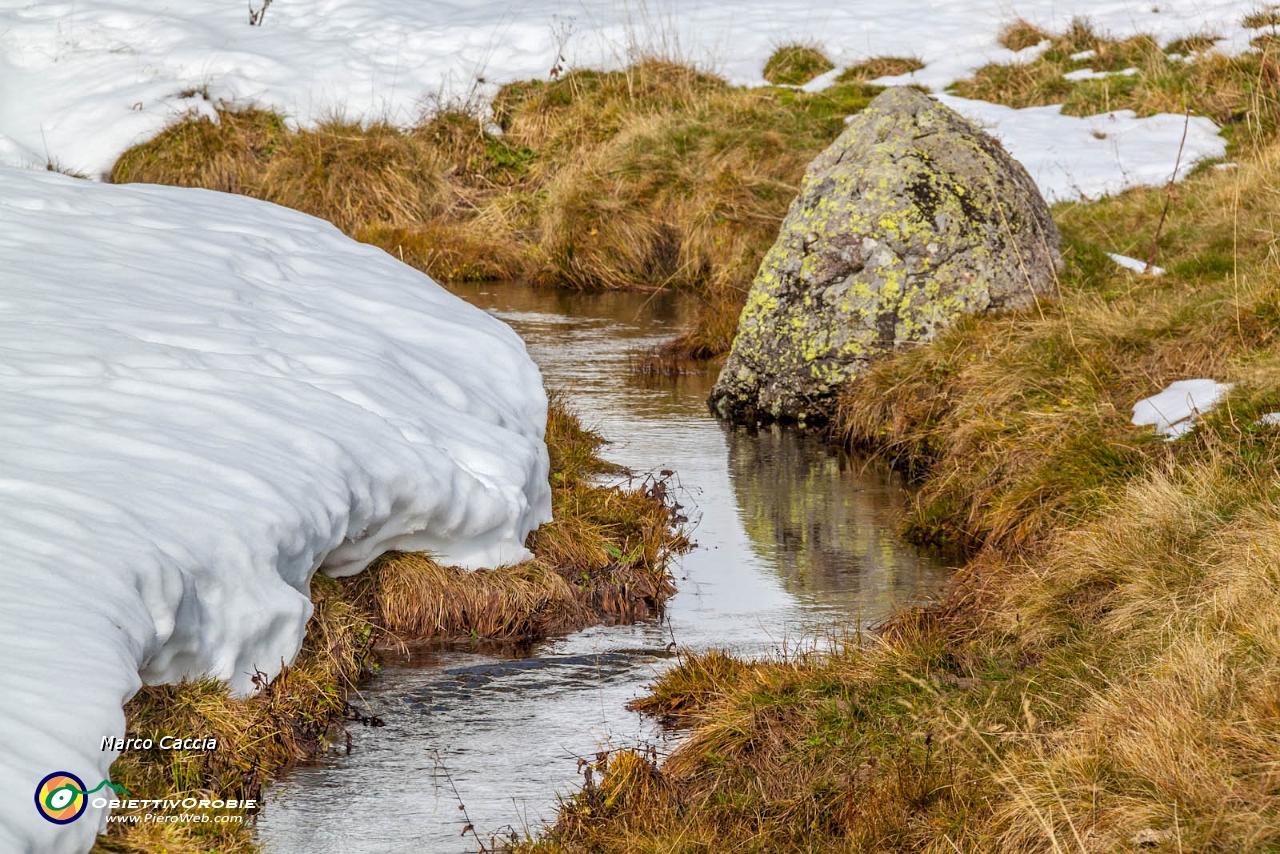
[(911, 219)]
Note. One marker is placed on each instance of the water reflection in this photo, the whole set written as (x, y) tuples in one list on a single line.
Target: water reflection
[(825, 521)]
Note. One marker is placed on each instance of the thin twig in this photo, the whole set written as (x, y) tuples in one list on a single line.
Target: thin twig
[(1168, 196), (256, 15), (470, 826)]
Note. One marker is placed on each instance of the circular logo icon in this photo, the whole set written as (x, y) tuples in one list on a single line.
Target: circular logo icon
[(60, 797)]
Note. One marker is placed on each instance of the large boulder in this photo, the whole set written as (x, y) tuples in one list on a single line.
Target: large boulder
[(911, 219)]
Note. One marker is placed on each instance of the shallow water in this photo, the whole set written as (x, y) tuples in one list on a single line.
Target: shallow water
[(792, 537)]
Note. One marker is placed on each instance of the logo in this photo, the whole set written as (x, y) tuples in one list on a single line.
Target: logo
[(61, 797)]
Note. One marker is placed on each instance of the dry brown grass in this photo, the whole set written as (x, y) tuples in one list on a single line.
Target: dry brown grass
[(448, 251), (257, 737), (1181, 584), (656, 176), (1020, 35), (603, 559), (880, 66), (684, 692), (1264, 17)]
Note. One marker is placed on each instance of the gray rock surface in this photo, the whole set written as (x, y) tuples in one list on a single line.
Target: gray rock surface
[(911, 219)]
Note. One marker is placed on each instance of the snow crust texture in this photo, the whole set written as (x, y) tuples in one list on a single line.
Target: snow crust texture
[(82, 81), (203, 400)]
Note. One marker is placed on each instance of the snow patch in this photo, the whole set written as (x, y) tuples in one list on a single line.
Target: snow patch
[(1173, 411), (204, 399), (1135, 265), (1090, 74), (1074, 158)]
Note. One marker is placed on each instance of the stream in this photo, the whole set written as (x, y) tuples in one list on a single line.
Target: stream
[(792, 536)]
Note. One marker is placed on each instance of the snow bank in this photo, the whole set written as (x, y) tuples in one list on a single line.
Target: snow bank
[(1173, 411), (1087, 157), (203, 400), (82, 81)]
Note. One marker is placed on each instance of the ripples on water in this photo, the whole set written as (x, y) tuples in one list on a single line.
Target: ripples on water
[(792, 535)]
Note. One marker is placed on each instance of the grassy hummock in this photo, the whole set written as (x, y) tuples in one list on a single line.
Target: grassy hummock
[(880, 66), (602, 560), (1020, 35), (796, 64)]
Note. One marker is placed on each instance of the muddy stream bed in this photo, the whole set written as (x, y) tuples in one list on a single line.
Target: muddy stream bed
[(793, 538)]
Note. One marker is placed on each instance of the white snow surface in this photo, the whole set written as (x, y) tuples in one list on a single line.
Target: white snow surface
[(1173, 411), (82, 80), (1089, 157), (203, 400), (1090, 74), (1135, 265)]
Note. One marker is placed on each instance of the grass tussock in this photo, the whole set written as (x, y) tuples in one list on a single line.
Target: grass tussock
[(1264, 17), (1020, 35), (603, 559), (683, 692), (1238, 93), (1102, 675), (656, 176), (796, 64), (684, 189), (880, 66)]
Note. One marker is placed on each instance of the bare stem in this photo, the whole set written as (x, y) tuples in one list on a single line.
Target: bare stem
[(1168, 196)]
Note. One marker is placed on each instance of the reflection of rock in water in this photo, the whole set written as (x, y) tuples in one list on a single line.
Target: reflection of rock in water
[(825, 519)]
